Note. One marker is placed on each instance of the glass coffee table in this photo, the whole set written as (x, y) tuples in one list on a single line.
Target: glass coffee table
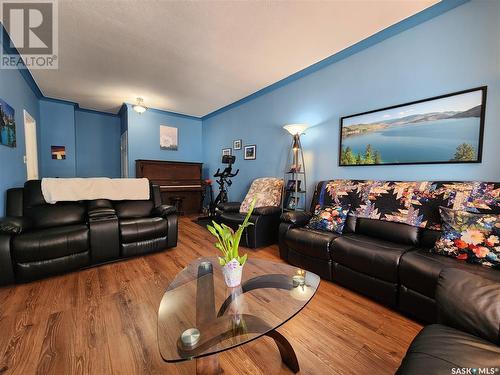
[(199, 316)]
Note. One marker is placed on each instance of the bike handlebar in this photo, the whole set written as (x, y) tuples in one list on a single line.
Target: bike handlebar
[(225, 174)]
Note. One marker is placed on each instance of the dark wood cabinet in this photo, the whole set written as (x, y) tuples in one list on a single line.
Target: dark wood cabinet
[(176, 179)]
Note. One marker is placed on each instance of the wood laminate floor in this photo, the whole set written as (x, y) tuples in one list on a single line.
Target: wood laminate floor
[(103, 321)]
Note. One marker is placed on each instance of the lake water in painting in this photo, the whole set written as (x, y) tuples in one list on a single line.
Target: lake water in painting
[(418, 142)]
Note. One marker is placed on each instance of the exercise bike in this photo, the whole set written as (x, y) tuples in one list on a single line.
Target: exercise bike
[(223, 180)]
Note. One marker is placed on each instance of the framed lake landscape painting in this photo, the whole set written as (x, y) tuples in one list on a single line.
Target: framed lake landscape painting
[(443, 129)]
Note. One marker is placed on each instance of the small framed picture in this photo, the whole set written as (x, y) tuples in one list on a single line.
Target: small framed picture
[(290, 186), (237, 144), (292, 203), (295, 168), (226, 151), (58, 152), (250, 152)]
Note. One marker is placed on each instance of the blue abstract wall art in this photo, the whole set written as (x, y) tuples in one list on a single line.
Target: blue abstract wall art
[(7, 125)]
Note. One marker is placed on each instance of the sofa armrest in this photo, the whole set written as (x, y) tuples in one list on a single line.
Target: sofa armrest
[(6, 264), (297, 218), (229, 206), (14, 225), (172, 224), (469, 303), (267, 210), (165, 210)]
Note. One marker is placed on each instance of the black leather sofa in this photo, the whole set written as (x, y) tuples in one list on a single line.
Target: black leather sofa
[(264, 230), (388, 261), (467, 338), (38, 239)]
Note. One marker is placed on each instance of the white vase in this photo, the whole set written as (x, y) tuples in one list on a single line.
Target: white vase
[(232, 273)]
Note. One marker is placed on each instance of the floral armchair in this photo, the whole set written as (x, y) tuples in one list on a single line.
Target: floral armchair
[(267, 192)]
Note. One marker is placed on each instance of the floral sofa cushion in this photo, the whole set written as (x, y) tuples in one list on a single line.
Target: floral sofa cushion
[(331, 219), (266, 190), (471, 237), (412, 202)]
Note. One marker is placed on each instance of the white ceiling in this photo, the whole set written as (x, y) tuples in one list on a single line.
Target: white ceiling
[(194, 57)]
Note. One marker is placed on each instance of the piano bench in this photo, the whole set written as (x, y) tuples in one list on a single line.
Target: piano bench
[(176, 201)]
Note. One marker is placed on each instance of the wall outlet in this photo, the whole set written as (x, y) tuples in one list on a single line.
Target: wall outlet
[(25, 159)]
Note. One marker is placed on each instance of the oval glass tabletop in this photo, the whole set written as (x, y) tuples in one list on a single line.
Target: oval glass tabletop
[(199, 315)]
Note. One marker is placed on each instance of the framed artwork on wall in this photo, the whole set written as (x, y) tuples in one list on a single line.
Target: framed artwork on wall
[(168, 138), (7, 125), (443, 129), (250, 152), (237, 144), (226, 151), (58, 152)]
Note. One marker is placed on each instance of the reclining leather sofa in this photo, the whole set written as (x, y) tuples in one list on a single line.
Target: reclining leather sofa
[(38, 239), (467, 338), (388, 261)]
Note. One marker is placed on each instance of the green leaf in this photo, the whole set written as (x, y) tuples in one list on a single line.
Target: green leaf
[(243, 259), (222, 261), (241, 228), (222, 249), (228, 229), (218, 227), (212, 230)]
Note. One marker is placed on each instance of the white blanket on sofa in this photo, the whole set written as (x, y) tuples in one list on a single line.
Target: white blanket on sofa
[(78, 189)]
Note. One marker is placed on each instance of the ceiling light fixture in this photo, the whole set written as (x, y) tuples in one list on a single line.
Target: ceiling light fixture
[(140, 107)]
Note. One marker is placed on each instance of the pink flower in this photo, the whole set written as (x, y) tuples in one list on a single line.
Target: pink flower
[(481, 251), (472, 236), (491, 241)]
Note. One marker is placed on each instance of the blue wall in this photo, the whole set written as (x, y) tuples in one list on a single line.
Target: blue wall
[(144, 137), (97, 144), (57, 128), (92, 141), (18, 94), (457, 50)]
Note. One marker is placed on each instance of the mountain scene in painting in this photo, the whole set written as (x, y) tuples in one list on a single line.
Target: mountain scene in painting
[(440, 130)]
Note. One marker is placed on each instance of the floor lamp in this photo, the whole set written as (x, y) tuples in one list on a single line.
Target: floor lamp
[(295, 170)]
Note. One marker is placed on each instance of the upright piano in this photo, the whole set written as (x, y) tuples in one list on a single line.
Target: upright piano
[(176, 179)]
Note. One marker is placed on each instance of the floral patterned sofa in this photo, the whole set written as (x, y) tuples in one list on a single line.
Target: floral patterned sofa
[(386, 249)]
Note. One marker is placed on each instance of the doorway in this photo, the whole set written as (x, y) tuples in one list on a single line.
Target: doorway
[(31, 157), (124, 154)]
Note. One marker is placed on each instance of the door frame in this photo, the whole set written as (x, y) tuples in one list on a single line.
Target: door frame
[(28, 119)]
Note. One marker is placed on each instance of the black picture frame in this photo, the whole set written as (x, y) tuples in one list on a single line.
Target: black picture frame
[(483, 89), (290, 185), (227, 151), (252, 155), (292, 202), (295, 168)]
